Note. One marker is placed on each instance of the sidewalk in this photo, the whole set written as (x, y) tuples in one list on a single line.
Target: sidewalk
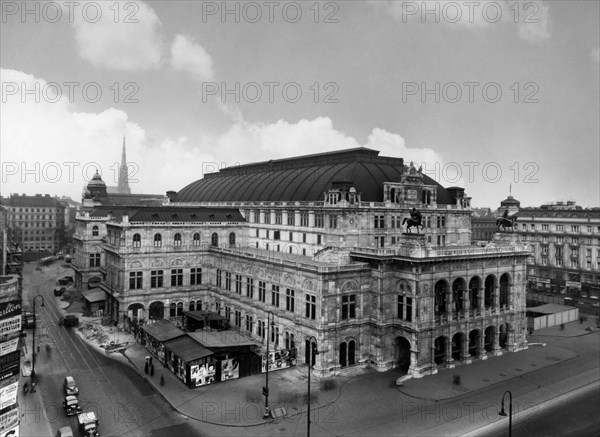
[(240, 403)]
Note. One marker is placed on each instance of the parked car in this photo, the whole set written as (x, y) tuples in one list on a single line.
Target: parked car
[(70, 387), (59, 291), (65, 281), (68, 321), (71, 406), (65, 431), (88, 424)]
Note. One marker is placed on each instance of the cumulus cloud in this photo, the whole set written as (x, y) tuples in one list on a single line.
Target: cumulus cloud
[(128, 41), (186, 55)]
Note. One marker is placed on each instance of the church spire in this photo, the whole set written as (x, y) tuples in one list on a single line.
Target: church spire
[(123, 185)]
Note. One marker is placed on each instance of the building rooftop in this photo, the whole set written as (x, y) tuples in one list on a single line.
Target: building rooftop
[(303, 178)]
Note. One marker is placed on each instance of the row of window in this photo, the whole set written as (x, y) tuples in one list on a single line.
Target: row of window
[(178, 241), (573, 263), (396, 221), (277, 235), (157, 278), (319, 221), (34, 225), (560, 228)]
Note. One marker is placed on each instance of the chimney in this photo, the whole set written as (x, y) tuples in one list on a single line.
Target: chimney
[(171, 195)]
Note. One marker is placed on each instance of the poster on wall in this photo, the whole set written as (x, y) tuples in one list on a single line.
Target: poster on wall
[(8, 395), (279, 359), (9, 346), (230, 369), (202, 374), (9, 419), (13, 432)]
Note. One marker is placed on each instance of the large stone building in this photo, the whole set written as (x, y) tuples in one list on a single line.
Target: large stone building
[(35, 223), (314, 250), (565, 240)]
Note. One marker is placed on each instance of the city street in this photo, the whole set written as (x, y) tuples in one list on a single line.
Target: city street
[(124, 403)]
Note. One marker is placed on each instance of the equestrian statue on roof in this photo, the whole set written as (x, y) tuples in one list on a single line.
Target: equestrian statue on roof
[(414, 220)]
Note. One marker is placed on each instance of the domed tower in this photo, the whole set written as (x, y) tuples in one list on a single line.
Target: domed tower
[(96, 188)]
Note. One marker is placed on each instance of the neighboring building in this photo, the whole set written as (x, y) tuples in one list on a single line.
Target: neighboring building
[(70, 214), (312, 252), (565, 239), (4, 242), (483, 225), (36, 223)]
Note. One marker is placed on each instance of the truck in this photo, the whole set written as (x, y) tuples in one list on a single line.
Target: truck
[(88, 424)]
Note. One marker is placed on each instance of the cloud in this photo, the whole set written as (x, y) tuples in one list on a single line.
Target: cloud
[(188, 56), (126, 40), (534, 23)]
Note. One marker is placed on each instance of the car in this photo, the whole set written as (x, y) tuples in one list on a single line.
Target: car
[(71, 406), (65, 431), (68, 320), (70, 387), (59, 291)]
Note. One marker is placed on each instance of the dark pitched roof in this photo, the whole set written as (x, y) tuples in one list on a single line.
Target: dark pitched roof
[(187, 214), (134, 199), (34, 201), (162, 330), (303, 178), (187, 348)]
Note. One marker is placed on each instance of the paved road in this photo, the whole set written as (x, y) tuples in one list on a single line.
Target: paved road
[(124, 402), (577, 417)]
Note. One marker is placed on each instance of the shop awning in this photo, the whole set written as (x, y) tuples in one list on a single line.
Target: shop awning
[(187, 349), (549, 308), (162, 330), (94, 295)]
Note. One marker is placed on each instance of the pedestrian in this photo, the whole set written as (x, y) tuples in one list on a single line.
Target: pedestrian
[(162, 380), (151, 369), (146, 367)]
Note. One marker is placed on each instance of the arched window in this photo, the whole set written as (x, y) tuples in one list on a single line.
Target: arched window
[(192, 306), (440, 297), (196, 239), (179, 309), (137, 240), (232, 239), (95, 231), (172, 310), (504, 286), (177, 240), (157, 240), (214, 239)]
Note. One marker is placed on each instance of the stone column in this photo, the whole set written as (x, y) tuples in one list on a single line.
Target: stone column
[(465, 356), (466, 303), (496, 349), (449, 304), (448, 360), (482, 354), (496, 304), (481, 300)]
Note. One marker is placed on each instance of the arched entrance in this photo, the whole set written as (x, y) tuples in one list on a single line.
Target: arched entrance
[(440, 297), (503, 337), (504, 285), (457, 342), (156, 310), (474, 336), (458, 290), (439, 350), (402, 346), (474, 285), (488, 341), (490, 282)]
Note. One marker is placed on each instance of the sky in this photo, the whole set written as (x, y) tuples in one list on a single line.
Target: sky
[(499, 97)]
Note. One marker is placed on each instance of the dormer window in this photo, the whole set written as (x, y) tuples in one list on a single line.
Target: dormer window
[(157, 240), (177, 240), (137, 240)]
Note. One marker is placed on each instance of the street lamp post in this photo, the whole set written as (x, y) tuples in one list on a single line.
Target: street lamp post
[(267, 412), (311, 354), (503, 413), (33, 343)]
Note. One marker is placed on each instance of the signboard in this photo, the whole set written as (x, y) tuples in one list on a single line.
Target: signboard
[(8, 395), (202, 375), (230, 369), (9, 419), (10, 309), (10, 324), (10, 361), (9, 346), (13, 432), (573, 284)]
